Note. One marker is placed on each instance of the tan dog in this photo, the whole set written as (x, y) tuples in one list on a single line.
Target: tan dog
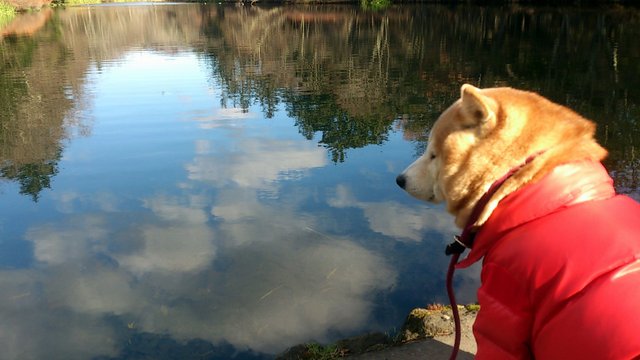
[(485, 134), (561, 251)]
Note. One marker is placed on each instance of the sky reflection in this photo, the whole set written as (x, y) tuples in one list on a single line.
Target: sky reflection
[(205, 179), (222, 241)]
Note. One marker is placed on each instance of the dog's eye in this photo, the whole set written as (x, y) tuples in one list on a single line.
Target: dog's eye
[(432, 156)]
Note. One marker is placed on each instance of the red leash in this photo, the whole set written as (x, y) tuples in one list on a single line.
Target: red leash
[(454, 306), (465, 241)]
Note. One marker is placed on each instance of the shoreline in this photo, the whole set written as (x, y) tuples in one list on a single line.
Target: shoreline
[(426, 333), (11, 9)]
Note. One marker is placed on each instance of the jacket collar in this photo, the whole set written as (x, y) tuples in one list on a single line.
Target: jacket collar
[(564, 186)]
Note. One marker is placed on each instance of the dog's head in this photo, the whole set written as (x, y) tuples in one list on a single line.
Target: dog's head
[(486, 133)]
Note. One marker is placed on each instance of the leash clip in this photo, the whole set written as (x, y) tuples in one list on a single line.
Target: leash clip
[(456, 247)]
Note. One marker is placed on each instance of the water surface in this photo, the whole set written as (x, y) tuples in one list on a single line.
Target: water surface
[(206, 181)]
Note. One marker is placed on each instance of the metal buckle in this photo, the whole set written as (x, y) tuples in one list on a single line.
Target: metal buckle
[(456, 247)]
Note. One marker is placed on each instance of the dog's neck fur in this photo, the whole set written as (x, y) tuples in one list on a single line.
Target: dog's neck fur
[(583, 148), (530, 173)]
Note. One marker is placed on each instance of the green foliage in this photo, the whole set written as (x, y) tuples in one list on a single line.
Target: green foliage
[(375, 4), (472, 307), (338, 131), (7, 13), (33, 178), (322, 352)]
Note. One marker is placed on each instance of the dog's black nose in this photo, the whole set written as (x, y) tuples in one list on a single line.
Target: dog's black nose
[(401, 181)]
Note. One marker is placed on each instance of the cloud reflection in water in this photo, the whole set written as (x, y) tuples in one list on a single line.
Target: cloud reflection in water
[(394, 219), (254, 273), (220, 237)]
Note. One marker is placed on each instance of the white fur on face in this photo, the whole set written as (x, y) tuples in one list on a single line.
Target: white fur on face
[(421, 177), (425, 179)]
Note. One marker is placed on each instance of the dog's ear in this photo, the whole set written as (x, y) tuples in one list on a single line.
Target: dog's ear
[(479, 111)]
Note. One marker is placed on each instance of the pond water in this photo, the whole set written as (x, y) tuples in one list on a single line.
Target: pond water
[(208, 181)]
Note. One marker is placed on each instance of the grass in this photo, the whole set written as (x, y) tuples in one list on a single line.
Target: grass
[(323, 352), (472, 307), (7, 13)]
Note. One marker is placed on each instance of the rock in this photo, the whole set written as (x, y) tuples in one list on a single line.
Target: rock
[(426, 323), (434, 322), (364, 343)]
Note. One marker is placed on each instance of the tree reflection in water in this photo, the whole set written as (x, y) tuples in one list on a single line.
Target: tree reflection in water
[(343, 73), (347, 79)]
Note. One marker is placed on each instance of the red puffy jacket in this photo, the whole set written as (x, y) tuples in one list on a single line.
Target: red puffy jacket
[(561, 271)]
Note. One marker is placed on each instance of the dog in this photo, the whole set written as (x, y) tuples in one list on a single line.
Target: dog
[(560, 275)]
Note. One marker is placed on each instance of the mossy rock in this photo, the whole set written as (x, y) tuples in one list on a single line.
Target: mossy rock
[(424, 323), (435, 320)]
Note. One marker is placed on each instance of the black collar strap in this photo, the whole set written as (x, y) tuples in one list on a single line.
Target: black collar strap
[(457, 246)]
